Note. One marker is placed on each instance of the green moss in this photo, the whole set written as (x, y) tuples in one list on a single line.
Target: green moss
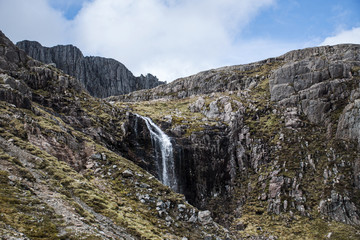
[(42, 92), (355, 69), (4, 177), (295, 227), (21, 210)]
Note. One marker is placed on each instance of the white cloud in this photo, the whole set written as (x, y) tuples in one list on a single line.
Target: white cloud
[(33, 20), (168, 38), (345, 36)]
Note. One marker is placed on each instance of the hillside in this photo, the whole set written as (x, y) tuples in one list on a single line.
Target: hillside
[(267, 150), (61, 173)]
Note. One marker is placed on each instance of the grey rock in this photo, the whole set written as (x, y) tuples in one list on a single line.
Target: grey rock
[(308, 79), (281, 91), (213, 112), (127, 173), (101, 77), (11, 58), (198, 105), (193, 218), (275, 186), (96, 156), (340, 208), (349, 122), (181, 207), (292, 119), (204, 217)]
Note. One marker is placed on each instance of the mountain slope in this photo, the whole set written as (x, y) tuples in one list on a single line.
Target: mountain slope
[(101, 77), (61, 173)]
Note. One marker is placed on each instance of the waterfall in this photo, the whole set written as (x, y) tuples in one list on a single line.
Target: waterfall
[(163, 153)]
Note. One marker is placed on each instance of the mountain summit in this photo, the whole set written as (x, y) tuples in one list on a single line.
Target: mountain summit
[(101, 77)]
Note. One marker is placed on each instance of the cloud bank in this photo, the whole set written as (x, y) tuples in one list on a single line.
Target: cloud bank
[(345, 36), (33, 20), (168, 38)]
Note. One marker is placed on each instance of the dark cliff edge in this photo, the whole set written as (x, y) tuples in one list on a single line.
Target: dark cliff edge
[(101, 77)]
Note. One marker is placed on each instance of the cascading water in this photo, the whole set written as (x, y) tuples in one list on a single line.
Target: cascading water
[(163, 152)]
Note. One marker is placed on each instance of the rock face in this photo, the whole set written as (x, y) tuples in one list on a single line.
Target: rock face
[(276, 139), (101, 77)]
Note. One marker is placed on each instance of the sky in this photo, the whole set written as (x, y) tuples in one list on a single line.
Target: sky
[(177, 38)]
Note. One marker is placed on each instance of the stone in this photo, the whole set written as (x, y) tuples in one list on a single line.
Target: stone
[(275, 186), (239, 153), (127, 173), (181, 207), (340, 209), (349, 122), (198, 105), (213, 112), (96, 156), (193, 219), (204, 217)]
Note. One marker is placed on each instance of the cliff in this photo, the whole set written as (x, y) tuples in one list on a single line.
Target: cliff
[(272, 147), (101, 77)]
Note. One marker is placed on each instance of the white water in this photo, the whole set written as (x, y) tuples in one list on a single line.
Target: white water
[(166, 164)]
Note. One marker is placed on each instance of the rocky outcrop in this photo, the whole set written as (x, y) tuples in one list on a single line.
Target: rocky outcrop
[(101, 77), (232, 78), (315, 78)]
